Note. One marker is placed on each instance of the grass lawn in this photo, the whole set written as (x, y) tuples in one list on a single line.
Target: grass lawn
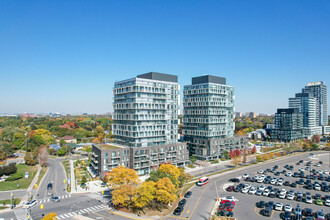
[(7, 201), (23, 183), (3, 207), (42, 173), (66, 167)]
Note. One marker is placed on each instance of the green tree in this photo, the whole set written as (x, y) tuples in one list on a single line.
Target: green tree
[(19, 139), (225, 155), (193, 159), (61, 152), (29, 159)]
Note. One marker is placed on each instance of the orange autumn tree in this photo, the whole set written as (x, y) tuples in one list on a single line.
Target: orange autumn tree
[(165, 191)]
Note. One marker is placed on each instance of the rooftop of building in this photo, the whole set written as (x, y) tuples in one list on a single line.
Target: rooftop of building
[(208, 79), (109, 146), (66, 138), (288, 110), (159, 76)]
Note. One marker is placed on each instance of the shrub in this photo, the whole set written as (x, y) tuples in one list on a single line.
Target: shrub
[(15, 176)]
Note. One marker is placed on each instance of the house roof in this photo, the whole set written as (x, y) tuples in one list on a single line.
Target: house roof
[(66, 138)]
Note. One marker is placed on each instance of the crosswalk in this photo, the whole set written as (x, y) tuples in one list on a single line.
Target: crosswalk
[(41, 201), (82, 211)]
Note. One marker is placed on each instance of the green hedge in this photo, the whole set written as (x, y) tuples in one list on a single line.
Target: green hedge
[(15, 176)]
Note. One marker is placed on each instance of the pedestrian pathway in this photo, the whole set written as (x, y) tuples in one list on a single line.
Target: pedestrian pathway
[(82, 211)]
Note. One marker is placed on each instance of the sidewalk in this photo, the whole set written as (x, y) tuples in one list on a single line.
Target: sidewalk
[(29, 189)]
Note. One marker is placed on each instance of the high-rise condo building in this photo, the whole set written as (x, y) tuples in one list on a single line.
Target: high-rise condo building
[(288, 125), (208, 121), (145, 126), (146, 110), (319, 91)]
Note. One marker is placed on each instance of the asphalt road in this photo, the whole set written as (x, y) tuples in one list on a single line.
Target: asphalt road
[(55, 175), (203, 198)]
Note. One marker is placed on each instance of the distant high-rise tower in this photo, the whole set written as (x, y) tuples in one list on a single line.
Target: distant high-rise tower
[(209, 117), (306, 104), (319, 91)]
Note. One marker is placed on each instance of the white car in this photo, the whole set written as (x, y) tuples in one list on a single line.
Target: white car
[(245, 175), (289, 174), (259, 192), (260, 171), (31, 203), (282, 195), (262, 187), (279, 183), (309, 200), (317, 187), (288, 208), (317, 165), (245, 190), (278, 206), (266, 192), (273, 181), (230, 198), (247, 185), (326, 172), (302, 169), (260, 180), (290, 196), (327, 203), (252, 191), (320, 171), (283, 190)]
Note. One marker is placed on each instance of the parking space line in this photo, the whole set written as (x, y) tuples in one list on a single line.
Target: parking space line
[(188, 211), (255, 210), (272, 214)]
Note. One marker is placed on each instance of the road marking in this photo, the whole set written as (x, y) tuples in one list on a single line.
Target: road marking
[(66, 215), (86, 210), (92, 208), (188, 211), (272, 214), (172, 216), (198, 201), (255, 210), (82, 211), (70, 214), (58, 217), (69, 195), (47, 200)]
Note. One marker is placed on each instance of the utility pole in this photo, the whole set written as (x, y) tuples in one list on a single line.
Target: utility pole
[(216, 189)]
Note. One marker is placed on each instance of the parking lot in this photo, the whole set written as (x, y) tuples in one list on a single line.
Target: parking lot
[(302, 193)]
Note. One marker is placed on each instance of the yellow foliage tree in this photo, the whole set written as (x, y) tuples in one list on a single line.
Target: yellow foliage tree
[(271, 155), (259, 158), (145, 193), (184, 177), (123, 195), (120, 176), (171, 170), (50, 216), (165, 191), (236, 160)]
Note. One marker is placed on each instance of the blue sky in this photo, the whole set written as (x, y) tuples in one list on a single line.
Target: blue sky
[(64, 56)]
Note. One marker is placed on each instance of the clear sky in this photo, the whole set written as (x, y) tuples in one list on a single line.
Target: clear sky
[(64, 56)]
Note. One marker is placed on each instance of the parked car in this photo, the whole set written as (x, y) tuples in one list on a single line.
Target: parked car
[(230, 188), (267, 211), (187, 194), (261, 204), (178, 210), (278, 206), (234, 180)]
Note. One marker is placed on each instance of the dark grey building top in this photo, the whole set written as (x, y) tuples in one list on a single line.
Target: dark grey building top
[(303, 94), (208, 79), (288, 110), (159, 76)]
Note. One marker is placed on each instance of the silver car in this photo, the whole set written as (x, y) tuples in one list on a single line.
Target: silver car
[(55, 199)]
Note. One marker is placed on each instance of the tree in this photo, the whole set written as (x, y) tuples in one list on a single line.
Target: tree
[(18, 139), (123, 195), (29, 159), (244, 158), (316, 139), (83, 179), (62, 142), (50, 216), (193, 159), (61, 152), (172, 171), (120, 176), (231, 153), (236, 160), (43, 155), (259, 158), (225, 155), (237, 152), (145, 193), (184, 177), (165, 191), (254, 150), (314, 146)]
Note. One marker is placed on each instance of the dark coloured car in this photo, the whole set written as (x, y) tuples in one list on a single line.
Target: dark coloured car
[(291, 168), (237, 189), (277, 173), (300, 182), (275, 167), (270, 204), (299, 198), (267, 211), (287, 183), (308, 212), (295, 174), (286, 215), (234, 180), (261, 204), (50, 186), (225, 213), (267, 181), (178, 210), (327, 216), (182, 203), (293, 185), (230, 188), (325, 188), (320, 162), (188, 194), (248, 178)]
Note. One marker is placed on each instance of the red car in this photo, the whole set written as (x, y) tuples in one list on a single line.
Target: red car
[(230, 188)]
